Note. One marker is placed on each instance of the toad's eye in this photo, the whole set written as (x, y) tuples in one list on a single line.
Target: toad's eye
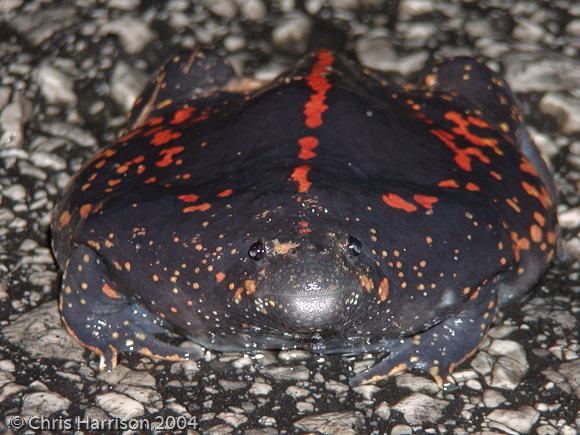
[(257, 251), (354, 246)]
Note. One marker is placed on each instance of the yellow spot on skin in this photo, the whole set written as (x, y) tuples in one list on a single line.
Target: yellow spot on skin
[(466, 290), (384, 289), (250, 285), (84, 285), (429, 240), (173, 310), (219, 277), (128, 266), (94, 244), (68, 290), (434, 372), (536, 233), (284, 248), (238, 295), (164, 103), (397, 369), (366, 282), (146, 352), (155, 278)]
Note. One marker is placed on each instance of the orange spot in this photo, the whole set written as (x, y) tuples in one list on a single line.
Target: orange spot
[(448, 183), (320, 85), (384, 289), (100, 164), (539, 218), (496, 175), (303, 227), (156, 120), (527, 167), (85, 210), (513, 205), (182, 115), (300, 175), (425, 201), (150, 180), (472, 187), (64, 219), (168, 154), (109, 292), (536, 233), (125, 166), (462, 155), (130, 135), (543, 197), (164, 136), (114, 182), (250, 285), (307, 144), (225, 193), (395, 201), (201, 207), (462, 129), (219, 277), (519, 244), (191, 197)]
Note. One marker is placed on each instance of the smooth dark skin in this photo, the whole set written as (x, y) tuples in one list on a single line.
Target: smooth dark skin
[(200, 221)]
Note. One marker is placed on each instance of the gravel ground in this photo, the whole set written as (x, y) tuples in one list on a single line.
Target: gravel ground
[(71, 70)]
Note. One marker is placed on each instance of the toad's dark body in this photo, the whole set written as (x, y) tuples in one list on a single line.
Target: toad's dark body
[(328, 210)]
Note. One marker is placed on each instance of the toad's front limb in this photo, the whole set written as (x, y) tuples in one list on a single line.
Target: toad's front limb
[(104, 320), (441, 348)]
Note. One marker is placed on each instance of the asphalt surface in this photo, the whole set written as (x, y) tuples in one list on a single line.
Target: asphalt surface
[(69, 73)]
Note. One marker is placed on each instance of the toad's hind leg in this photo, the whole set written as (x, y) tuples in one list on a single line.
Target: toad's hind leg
[(439, 349), (104, 320)]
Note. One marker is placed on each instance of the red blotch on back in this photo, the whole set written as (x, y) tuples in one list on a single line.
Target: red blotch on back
[(320, 85), (167, 156), (300, 175), (191, 197), (425, 200), (307, 144), (225, 193), (448, 183), (395, 201), (201, 207), (182, 115), (164, 136)]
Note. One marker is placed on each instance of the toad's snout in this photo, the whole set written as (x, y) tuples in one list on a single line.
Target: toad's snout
[(310, 285)]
